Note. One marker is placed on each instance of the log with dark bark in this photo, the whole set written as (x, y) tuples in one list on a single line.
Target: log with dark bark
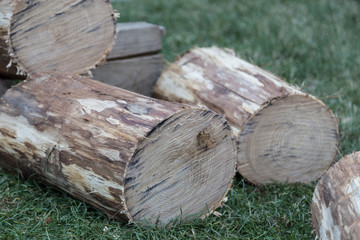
[(69, 36), (130, 156), (335, 207), (283, 134)]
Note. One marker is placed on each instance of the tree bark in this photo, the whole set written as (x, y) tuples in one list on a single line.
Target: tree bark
[(6, 69), (283, 134), (62, 36), (335, 207), (130, 156)]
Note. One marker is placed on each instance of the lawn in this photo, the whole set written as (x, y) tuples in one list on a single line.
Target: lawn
[(312, 44)]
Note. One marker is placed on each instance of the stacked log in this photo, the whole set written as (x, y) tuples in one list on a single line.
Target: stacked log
[(63, 36), (335, 208), (133, 157), (283, 134), (134, 63)]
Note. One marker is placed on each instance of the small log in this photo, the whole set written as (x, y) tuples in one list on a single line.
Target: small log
[(134, 74), (69, 36), (136, 39), (134, 63), (130, 156), (283, 134), (335, 208)]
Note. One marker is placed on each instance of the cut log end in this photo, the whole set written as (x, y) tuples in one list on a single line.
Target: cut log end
[(292, 139), (181, 174), (335, 206), (62, 36), (284, 134)]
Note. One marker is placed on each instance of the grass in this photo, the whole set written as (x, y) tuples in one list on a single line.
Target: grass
[(312, 44)]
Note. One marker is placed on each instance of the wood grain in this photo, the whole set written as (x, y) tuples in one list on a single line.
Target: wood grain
[(335, 208), (133, 157), (69, 36), (136, 39), (283, 134)]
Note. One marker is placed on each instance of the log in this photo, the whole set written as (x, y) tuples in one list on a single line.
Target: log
[(134, 74), (283, 134), (133, 157), (136, 39), (69, 36), (134, 62), (335, 208)]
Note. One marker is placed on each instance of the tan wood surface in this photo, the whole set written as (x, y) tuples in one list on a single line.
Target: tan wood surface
[(335, 209), (64, 36), (283, 134), (130, 156), (136, 38)]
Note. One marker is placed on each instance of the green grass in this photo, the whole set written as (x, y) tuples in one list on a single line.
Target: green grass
[(312, 44)]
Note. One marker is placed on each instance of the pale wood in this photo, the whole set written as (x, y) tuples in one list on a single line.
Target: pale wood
[(130, 156), (335, 208), (137, 74), (6, 8), (136, 38), (283, 134), (69, 36)]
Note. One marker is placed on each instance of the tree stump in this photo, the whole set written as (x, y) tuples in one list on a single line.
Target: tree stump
[(335, 206), (283, 134), (44, 35), (133, 157)]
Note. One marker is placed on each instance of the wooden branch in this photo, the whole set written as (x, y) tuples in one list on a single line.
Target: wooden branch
[(65, 36), (130, 156), (134, 74), (335, 208), (283, 134)]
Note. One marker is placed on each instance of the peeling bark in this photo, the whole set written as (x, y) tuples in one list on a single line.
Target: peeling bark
[(335, 206), (283, 134), (130, 156), (64, 36)]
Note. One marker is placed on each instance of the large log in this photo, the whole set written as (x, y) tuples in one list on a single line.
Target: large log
[(130, 156), (283, 134), (69, 36), (335, 208)]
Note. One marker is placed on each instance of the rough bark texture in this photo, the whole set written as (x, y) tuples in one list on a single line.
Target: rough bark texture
[(283, 134), (335, 207), (44, 35), (6, 7), (130, 156)]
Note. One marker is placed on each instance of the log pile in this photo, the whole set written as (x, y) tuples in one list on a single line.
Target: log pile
[(335, 207), (133, 157), (141, 159), (283, 134), (64, 36)]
